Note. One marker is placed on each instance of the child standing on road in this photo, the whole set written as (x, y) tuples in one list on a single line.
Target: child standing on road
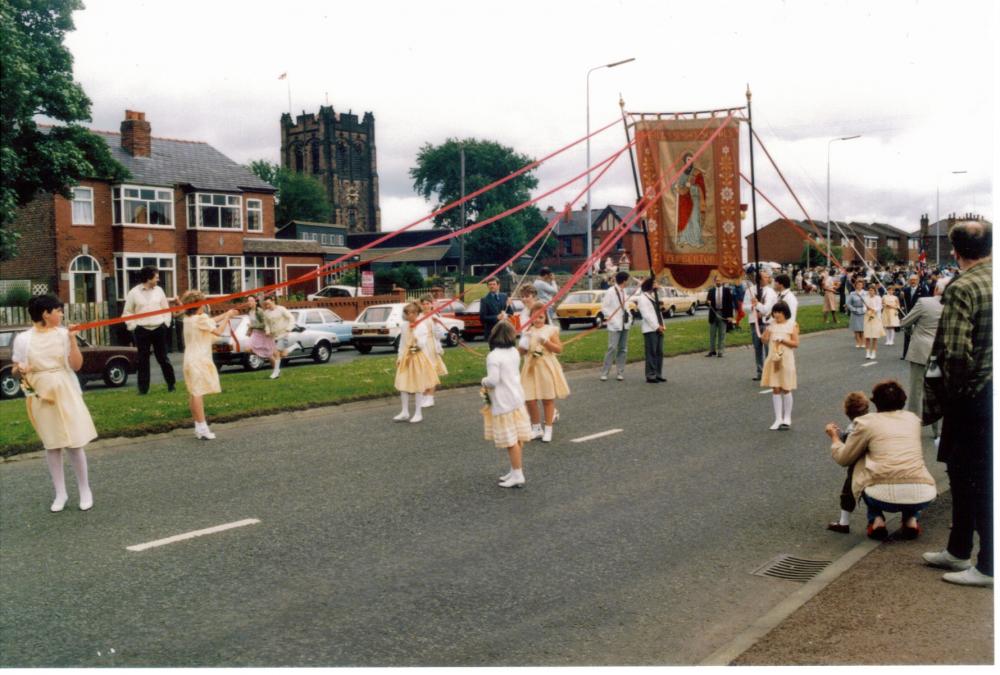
[(542, 377), (855, 405), (415, 370), (46, 357), (505, 421), (439, 333), (890, 315), (779, 368), (200, 374)]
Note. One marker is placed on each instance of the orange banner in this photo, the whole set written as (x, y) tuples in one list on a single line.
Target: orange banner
[(694, 227)]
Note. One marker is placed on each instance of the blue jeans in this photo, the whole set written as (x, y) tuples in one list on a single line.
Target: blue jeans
[(617, 351), (877, 508)]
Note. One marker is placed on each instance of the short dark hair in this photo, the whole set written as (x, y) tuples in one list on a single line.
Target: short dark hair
[(855, 405), (147, 273), (40, 304), (972, 240), (647, 284), (782, 306), (493, 280), (503, 336), (621, 277), (783, 280), (544, 272), (888, 395)]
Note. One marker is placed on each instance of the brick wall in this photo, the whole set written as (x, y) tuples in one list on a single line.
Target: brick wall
[(779, 242), (35, 259), (95, 240)]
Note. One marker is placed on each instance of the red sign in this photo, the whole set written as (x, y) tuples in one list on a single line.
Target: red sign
[(368, 283)]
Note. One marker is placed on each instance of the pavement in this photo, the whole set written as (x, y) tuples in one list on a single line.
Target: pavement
[(381, 544)]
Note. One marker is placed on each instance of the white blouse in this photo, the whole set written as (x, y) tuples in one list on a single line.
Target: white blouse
[(503, 379)]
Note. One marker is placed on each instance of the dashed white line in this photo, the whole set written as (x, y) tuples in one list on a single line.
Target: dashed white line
[(602, 434), (865, 365), (192, 535)]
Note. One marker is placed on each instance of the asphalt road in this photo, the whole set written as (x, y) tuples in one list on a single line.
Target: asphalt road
[(383, 544)]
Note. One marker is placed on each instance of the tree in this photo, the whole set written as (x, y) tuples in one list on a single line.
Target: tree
[(299, 197), (37, 80), (438, 172), (817, 258), (886, 255)]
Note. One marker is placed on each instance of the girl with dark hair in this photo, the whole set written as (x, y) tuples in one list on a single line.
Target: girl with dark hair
[(505, 421), (415, 370), (782, 337), (261, 343), (542, 376), (46, 357), (200, 374)]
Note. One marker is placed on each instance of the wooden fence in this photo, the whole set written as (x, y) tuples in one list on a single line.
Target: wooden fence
[(72, 314)]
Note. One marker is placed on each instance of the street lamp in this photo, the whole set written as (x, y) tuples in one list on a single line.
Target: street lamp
[(829, 251), (937, 225), (590, 240)]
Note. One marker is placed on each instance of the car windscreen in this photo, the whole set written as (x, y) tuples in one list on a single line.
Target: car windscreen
[(578, 298), (375, 315)]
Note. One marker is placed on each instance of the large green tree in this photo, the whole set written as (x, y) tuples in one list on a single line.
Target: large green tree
[(36, 79), (299, 197), (437, 175)]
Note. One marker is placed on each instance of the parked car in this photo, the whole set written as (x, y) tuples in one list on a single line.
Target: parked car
[(113, 365), (672, 301), (474, 326), (335, 291), (379, 326), (581, 307), (316, 330)]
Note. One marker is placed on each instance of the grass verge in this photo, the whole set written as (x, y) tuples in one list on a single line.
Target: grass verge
[(121, 412)]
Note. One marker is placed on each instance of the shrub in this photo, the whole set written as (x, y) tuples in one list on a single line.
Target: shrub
[(16, 297)]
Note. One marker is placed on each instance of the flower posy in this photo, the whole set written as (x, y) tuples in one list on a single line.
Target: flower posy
[(484, 394)]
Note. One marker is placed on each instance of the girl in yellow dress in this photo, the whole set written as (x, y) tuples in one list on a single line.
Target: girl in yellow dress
[(873, 321), (890, 315), (415, 370), (439, 332), (782, 336), (542, 376), (46, 357), (200, 375)]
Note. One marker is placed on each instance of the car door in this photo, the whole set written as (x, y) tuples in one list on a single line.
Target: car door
[(334, 324)]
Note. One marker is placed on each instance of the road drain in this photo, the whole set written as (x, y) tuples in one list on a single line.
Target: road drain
[(789, 567)]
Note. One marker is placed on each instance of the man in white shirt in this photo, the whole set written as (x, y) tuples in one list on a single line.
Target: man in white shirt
[(618, 320), (783, 289), (759, 304), (150, 331), (652, 329)]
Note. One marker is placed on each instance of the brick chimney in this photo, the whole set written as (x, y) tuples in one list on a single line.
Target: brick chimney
[(136, 134)]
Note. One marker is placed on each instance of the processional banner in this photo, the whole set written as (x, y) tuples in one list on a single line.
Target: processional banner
[(694, 227)]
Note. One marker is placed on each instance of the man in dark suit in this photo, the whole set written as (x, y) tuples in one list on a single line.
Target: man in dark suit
[(914, 290), (493, 307), (721, 310)]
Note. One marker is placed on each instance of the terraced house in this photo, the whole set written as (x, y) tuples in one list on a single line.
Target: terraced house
[(205, 221)]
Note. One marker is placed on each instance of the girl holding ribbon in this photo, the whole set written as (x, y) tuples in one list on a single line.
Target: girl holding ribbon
[(200, 375), (438, 332), (415, 369), (542, 376)]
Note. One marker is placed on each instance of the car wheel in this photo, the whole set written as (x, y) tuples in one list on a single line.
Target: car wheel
[(598, 321), (10, 386), (691, 308), (669, 314), (363, 349), (253, 362), (564, 324), (321, 352), (115, 374), (453, 338)]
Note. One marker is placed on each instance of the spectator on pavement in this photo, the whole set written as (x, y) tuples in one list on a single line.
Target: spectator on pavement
[(721, 312), (493, 307), (889, 471), (614, 306), (963, 396), (150, 331), (856, 307), (922, 322), (547, 288), (783, 289), (652, 329), (758, 302), (830, 287), (914, 290), (855, 405)]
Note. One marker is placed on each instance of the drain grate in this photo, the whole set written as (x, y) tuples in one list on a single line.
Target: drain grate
[(789, 567)]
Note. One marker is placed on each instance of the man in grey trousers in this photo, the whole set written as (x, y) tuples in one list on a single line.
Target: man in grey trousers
[(618, 320), (921, 323)]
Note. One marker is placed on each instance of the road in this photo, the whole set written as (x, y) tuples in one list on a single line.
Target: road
[(382, 544)]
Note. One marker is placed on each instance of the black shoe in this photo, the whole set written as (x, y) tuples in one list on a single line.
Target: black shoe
[(652, 380), (143, 393), (171, 387), (719, 355), (755, 378), (661, 379), (710, 354)]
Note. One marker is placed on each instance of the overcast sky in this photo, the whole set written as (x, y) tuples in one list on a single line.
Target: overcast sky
[(916, 79)]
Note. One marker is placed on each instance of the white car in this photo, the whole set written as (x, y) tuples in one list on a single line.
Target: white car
[(379, 326), (319, 332), (334, 292)]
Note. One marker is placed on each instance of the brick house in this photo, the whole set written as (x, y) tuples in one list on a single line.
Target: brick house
[(571, 238), (205, 221), (782, 243)]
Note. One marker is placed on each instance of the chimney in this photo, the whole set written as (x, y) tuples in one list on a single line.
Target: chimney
[(136, 134)]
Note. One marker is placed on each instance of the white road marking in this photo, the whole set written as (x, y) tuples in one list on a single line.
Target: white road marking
[(192, 535), (591, 437), (865, 365)]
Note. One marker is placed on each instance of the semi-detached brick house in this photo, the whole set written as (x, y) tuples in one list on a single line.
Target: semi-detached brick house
[(205, 221)]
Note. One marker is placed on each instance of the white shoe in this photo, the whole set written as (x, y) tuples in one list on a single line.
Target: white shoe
[(547, 434), (401, 417), (428, 402), (604, 378), (275, 375), (58, 504), (969, 577), (86, 501), (857, 346), (776, 425), (946, 561), (620, 378), (536, 431), (417, 417), (506, 476), (515, 481), (204, 433)]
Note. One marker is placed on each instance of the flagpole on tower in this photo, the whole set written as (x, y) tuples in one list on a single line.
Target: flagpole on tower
[(288, 82)]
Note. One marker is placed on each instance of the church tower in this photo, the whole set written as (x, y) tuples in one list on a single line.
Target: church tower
[(338, 150)]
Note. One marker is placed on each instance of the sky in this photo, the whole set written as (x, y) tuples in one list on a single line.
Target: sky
[(915, 78)]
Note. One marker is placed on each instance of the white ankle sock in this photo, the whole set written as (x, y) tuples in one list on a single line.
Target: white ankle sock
[(786, 404), (845, 517), (776, 402)]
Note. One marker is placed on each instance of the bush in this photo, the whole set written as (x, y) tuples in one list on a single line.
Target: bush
[(16, 297), (404, 276)]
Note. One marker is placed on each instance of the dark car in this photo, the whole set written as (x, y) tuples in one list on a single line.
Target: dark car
[(111, 364)]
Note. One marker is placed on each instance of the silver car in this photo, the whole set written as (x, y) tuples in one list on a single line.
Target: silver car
[(313, 343)]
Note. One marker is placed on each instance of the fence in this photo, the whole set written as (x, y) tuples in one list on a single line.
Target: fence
[(72, 314)]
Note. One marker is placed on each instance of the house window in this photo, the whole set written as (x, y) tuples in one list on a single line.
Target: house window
[(845, 242), (914, 244), (871, 242), (137, 205), (260, 270), (215, 274), (255, 215), (83, 206), (214, 211), (567, 246), (893, 243), (84, 279), (127, 266), (338, 240), (352, 217)]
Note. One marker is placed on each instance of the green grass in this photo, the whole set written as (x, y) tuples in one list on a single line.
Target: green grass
[(120, 412)]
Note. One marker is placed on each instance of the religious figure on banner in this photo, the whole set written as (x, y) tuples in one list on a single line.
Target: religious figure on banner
[(691, 206)]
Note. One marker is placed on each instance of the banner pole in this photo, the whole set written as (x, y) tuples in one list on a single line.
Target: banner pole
[(753, 200), (638, 191)]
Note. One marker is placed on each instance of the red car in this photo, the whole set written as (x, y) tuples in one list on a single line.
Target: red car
[(111, 364), (473, 324)]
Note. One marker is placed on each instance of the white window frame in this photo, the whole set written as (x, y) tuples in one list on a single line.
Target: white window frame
[(255, 206), (914, 245), (195, 204), (196, 265), (871, 242), (121, 271), (250, 267), (88, 201), (893, 243), (72, 277), (121, 198)]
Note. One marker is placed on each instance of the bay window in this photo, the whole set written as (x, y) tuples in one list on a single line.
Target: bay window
[(127, 266), (138, 205)]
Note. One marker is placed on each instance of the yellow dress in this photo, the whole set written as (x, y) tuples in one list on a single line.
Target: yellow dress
[(890, 311), (200, 375), (779, 367), (415, 371), (873, 321), (57, 411), (541, 375)]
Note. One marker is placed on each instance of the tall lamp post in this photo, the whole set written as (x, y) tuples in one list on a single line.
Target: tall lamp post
[(590, 240), (829, 251), (937, 225)]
